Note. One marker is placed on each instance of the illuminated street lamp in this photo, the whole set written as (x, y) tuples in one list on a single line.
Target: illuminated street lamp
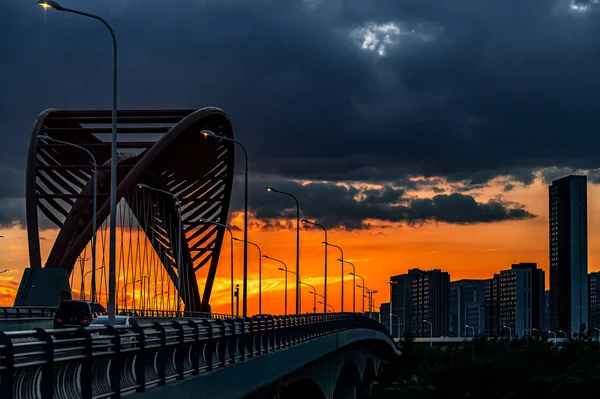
[(271, 189), (285, 287), (325, 271), (209, 133), (112, 273)]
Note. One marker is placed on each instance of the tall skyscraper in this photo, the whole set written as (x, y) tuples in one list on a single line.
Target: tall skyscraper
[(568, 254), (594, 303), (522, 298), (422, 295)]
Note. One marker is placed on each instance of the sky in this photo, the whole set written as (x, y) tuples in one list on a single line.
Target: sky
[(420, 133)]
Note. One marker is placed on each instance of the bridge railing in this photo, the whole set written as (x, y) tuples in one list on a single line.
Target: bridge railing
[(111, 361), (154, 313), (26, 312)]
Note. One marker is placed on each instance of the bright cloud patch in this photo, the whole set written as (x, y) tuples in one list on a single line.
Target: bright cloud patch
[(583, 5), (379, 38)]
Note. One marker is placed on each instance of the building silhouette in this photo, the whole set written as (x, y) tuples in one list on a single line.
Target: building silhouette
[(491, 312), (522, 298), (568, 254), (594, 303), (466, 306), (421, 295)]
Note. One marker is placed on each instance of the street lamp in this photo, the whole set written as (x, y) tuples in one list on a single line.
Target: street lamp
[(322, 303), (209, 133), (328, 306), (342, 252), (180, 271), (598, 329), (285, 287), (94, 216), (561, 331), (231, 256), (391, 283), (325, 271), (314, 292), (473, 329), (271, 189), (112, 273), (363, 289), (430, 332), (85, 275), (157, 295), (509, 332), (552, 332), (353, 281), (259, 275), (4, 271), (125, 292)]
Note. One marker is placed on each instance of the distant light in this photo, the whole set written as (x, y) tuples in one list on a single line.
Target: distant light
[(269, 188), (50, 4)]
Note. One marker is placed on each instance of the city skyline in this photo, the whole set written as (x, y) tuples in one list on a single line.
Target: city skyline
[(396, 193)]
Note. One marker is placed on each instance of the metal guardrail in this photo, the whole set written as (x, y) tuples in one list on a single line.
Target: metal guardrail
[(109, 361), (26, 312), (173, 314)]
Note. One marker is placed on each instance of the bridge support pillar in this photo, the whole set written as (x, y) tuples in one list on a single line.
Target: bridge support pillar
[(43, 287)]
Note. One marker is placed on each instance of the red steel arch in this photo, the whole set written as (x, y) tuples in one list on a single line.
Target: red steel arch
[(161, 148)]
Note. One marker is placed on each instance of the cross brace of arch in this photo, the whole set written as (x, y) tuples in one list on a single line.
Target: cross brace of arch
[(161, 148)]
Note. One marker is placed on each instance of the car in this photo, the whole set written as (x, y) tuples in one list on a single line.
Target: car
[(77, 314), (126, 336)]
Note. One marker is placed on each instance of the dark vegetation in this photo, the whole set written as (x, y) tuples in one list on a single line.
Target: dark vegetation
[(528, 368)]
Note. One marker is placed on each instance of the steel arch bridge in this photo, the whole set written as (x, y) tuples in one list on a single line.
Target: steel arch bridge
[(163, 149)]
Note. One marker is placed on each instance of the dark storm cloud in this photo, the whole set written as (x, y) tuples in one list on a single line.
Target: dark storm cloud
[(353, 207), (467, 90)]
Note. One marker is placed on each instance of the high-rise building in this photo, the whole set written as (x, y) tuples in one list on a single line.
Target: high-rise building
[(491, 312), (568, 254), (522, 298), (466, 307), (594, 303), (421, 297)]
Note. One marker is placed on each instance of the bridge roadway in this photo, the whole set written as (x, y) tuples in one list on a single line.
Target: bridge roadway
[(328, 356)]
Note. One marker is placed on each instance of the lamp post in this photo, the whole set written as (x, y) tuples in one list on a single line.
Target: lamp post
[(94, 216), (271, 189), (325, 270), (209, 133), (468, 326), (598, 329), (85, 275), (4, 271), (561, 331), (353, 281), (430, 332), (509, 332), (180, 268), (322, 296), (314, 292), (342, 254), (231, 255), (391, 283), (259, 274), (112, 273), (125, 293), (237, 300), (328, 306), (552, 332), (285, 287), (363, 290)]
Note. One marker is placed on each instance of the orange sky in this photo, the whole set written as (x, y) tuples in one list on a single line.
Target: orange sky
[(468, 251)]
